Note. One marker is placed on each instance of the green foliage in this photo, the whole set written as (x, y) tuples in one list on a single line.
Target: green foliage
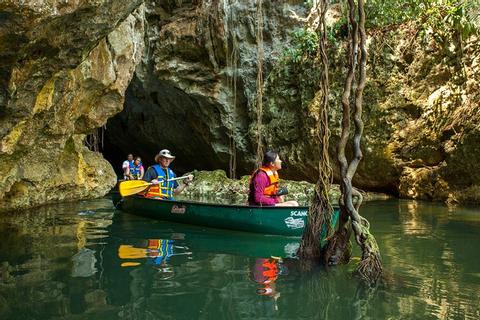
[(439, 15), (337, 31), (303, 45), (446, 16), (387, 12), (472, 10), (308, 4)]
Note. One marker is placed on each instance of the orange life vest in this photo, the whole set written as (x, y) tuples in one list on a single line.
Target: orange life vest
[(265, 273), (272, 189), (270, 270)]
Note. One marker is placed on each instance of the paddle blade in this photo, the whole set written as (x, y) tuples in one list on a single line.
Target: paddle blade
[(131, 187)]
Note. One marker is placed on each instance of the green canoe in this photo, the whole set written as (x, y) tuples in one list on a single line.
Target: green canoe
[(287, 221)]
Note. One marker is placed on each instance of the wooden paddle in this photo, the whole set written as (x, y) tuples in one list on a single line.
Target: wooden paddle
[(131, 187)]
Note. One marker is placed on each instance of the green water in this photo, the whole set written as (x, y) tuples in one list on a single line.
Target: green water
[(86, 261)]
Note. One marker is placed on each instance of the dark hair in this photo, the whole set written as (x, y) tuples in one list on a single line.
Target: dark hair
[(269, 156)]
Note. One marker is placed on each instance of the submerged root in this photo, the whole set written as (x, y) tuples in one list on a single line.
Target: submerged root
[(370, 267), (338, 249)]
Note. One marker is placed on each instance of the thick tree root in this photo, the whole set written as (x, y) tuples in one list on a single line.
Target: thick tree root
[(370, 267)]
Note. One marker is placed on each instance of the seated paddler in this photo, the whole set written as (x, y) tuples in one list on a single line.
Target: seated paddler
[(264, 187), (162, 177)]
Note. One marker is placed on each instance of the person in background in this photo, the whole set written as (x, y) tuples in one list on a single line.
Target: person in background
[(159, 174), (136, 170), (126, 166), (264, 189)]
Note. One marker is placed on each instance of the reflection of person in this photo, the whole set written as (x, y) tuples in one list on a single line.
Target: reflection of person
[(264, 190), (126, 166), (265, 272), (160, 250), (160, 174), (136, 171)]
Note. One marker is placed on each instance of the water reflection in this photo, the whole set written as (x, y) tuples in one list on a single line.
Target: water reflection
[(431, 251), (198, 240), (158, 252), (265, 272), (84, 263), (84, 260), (50, 260)]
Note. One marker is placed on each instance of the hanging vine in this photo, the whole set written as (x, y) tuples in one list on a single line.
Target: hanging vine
[(320, 212), (338, 248), (95, 140), (232, 52), (370, 267), (259, 95)]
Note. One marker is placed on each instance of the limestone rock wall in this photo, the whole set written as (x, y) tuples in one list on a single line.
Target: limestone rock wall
[(435, 145), (421, 114), (182, 96), (65, 68)]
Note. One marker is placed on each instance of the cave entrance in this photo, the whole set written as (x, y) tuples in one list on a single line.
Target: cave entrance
[(158, 115)]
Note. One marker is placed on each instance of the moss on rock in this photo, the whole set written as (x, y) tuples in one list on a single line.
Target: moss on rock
[(215, 186)]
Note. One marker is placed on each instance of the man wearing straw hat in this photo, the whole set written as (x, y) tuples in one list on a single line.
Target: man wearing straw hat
[(162, 177)]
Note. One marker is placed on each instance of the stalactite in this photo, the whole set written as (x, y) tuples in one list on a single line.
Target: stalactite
[(95, 140), (209, 10)]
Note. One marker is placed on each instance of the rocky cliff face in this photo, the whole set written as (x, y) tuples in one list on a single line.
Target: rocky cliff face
[(433, 112), (65, 68), (420, 104), (420, 111), (183, 97)]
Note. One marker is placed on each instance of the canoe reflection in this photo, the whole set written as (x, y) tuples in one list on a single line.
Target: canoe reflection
[(157, 251), (164, 259), (139, 238)]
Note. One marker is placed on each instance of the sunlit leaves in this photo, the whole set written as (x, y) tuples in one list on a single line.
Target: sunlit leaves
[(444, 16), (472, 9), (303, 45)]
